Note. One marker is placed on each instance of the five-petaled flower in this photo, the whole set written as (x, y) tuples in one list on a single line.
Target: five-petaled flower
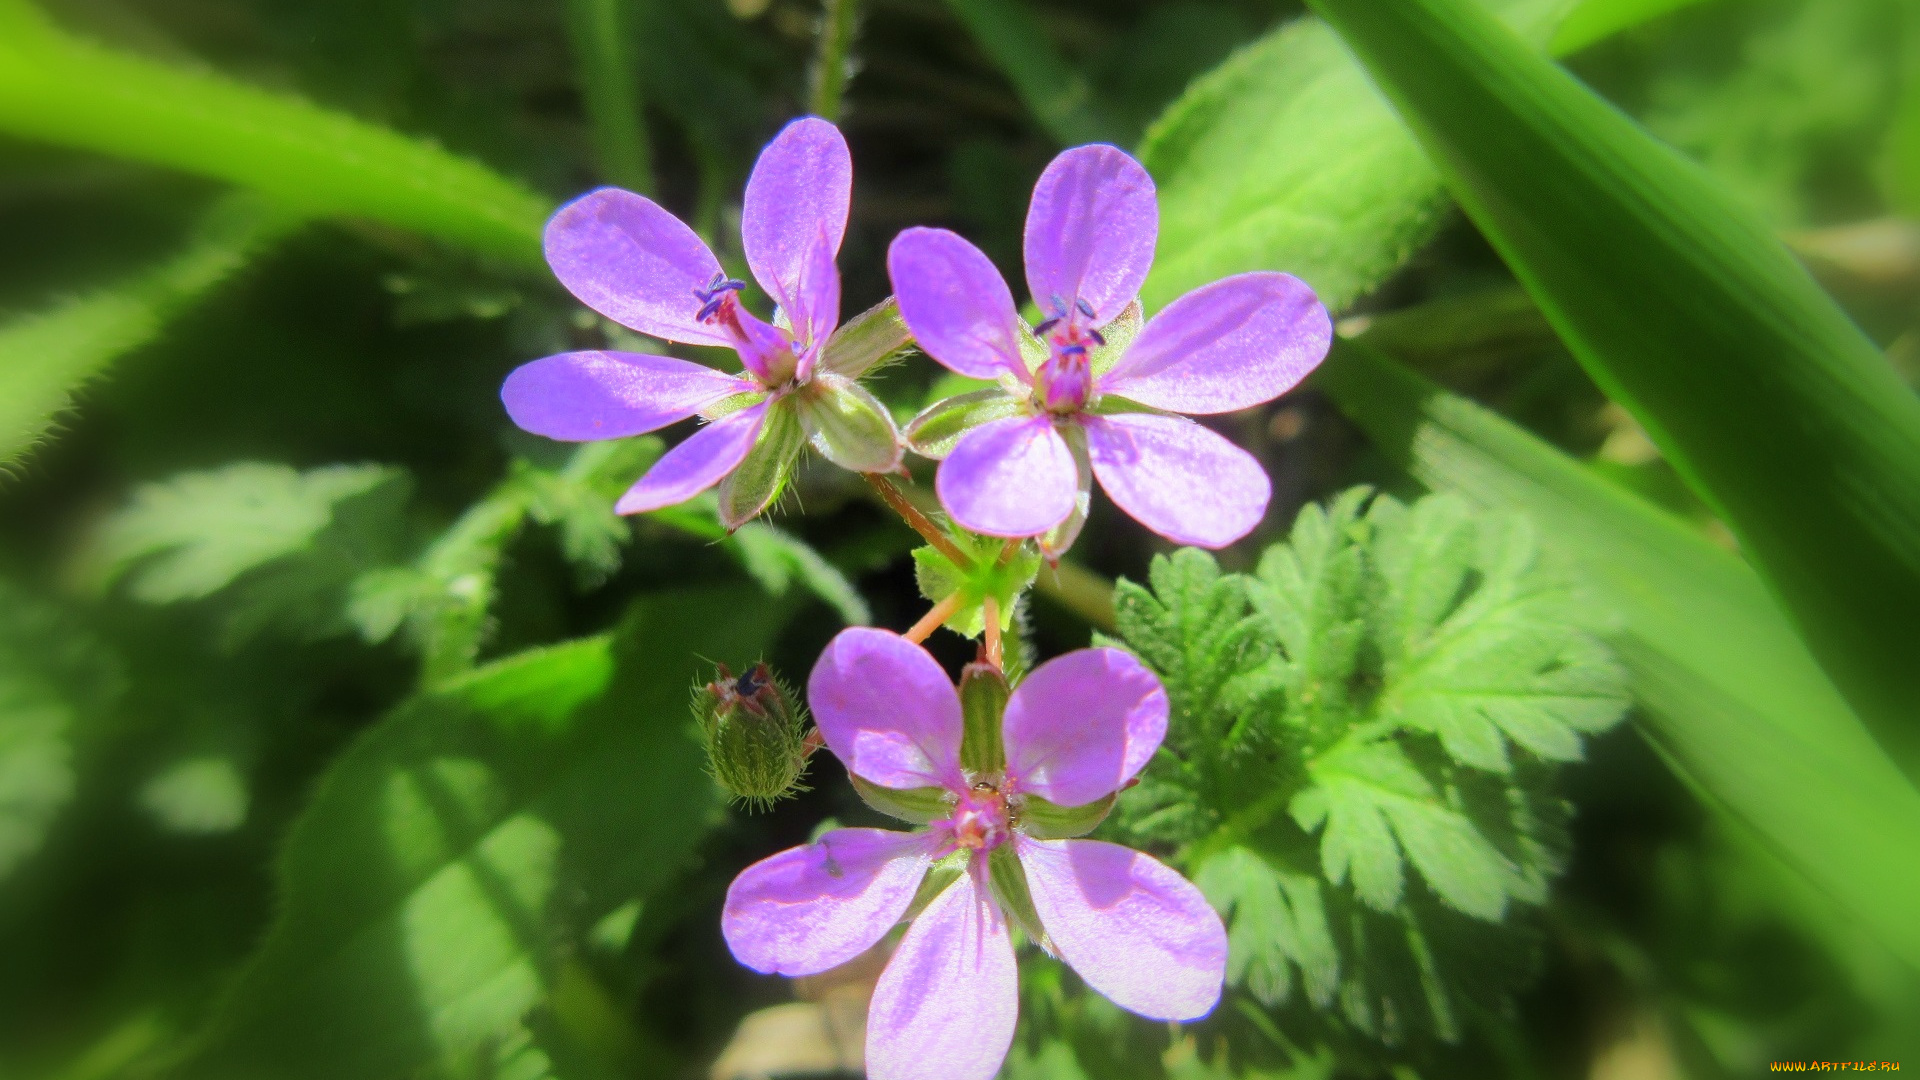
[(1088, 404), (635, 263), (1075, 730)]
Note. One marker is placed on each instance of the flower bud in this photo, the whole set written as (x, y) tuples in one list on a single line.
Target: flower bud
[(755, 733)]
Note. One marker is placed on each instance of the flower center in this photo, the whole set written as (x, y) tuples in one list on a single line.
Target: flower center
[(765, 349), (1064, 383), (981, 820)]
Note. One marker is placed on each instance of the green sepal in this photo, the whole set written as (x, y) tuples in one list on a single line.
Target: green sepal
[(1044, 820), (939, 426), (1008, 880), (1119, 334), (732, 403), (916, 806), (848, 425), (751, 488), (940, 875), (986, 577), (983, 702), (867, 339)]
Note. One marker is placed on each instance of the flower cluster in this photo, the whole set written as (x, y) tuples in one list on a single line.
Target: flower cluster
[(1005, 780)]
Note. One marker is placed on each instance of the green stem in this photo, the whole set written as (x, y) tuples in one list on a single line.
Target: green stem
[(833, 60), (599, 34)]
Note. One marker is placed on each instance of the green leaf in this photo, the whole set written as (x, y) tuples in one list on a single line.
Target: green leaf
[(1593, 21), (579, 498), (1684, 308), (1059, 97), (47, 358), (993, 574), (462, 846), (1286, 158), (1304, 731), (778, 560), (200, 795), (1731, 697), (57, 88)]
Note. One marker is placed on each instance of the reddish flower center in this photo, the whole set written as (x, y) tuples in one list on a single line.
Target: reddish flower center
[(765, 349), (1064, 383), (981, 820)]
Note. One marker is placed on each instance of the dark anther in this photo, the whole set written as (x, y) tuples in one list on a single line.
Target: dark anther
[(1097, 336), (1085, 308), (1041, 330), (1073, 350), (751, 681), (714, 296)]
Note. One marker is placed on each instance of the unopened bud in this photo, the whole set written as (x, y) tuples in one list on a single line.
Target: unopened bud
[(755, 732)]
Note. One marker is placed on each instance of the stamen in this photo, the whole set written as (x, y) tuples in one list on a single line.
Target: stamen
[(1085, 308)]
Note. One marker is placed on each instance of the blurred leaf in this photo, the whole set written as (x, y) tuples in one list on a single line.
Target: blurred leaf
[(601, 37), (46, 358), (1057, 94), (579, 498), (51, 676), (778, 560), (188, 537), (1732, 699), (1687, 311), (1286, 158), (473, 837), (1593, 21), (197, 795), (57, 88), (1275, 922)]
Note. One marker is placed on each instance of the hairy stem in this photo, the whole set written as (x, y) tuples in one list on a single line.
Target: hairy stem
[(990, 608), (833, 61), (932, 620), (605, 65), (891, 494)]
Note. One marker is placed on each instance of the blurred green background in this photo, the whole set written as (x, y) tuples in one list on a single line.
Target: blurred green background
[(343, 728)]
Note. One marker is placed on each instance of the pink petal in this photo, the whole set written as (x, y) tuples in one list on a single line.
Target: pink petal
[(1011, 477), (956, 303), (1136, 930), (1090, 230), (1177, 478), (887, 710), (633, 262), (796, 206), (945, 1007), (816, 907), (702, 460), (583, 396), (1225, 346), (821, 288), (1081, 725)]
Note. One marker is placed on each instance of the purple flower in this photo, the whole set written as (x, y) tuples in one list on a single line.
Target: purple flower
[(1073, 732), (640, 266), (1088, 392)]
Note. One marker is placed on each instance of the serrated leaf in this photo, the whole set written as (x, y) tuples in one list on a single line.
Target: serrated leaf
[(456, 850), (580, 495), (1276, 923), (993, 574)]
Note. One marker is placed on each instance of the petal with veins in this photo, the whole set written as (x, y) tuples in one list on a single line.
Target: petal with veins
[(633, 262), (584, 396), (698, 463), (1178, 478), (1134, 929), (816, 907), (945, 1007), (1230, 345), (1012, 477), (955, 302), (1090, 230), (887, 710), (795, 210), (1081, 725)]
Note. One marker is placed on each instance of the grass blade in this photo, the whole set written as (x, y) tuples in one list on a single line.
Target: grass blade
[(605, 64), (1730, 696), (1060, 97), (1756, 386)]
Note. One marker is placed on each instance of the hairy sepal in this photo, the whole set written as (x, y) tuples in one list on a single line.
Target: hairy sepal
[(917, 806), (864, 342), (1045, 820), (848, 425), (933, 433), (748, 490)]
